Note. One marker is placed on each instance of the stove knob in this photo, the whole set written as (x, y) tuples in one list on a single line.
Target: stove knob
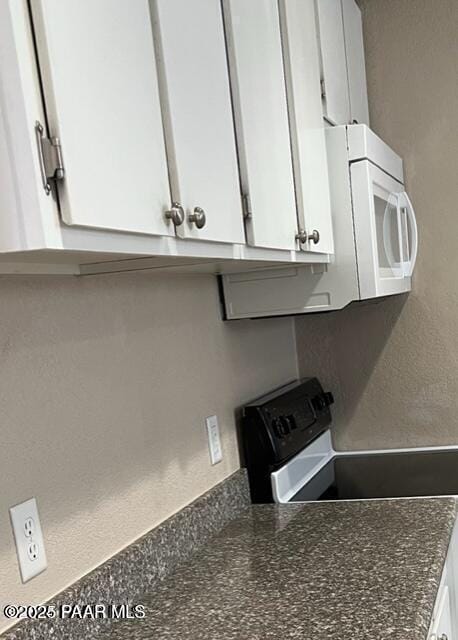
[(318, 403), (284, 425), (277, 427)]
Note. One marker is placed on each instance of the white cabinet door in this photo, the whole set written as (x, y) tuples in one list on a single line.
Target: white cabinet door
[(442, 628), (356, 66), (99, 77), (336, 102), (258, 84), (199, 123), (298, 23)]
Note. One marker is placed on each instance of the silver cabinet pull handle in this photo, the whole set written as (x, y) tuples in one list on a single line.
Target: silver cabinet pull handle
[(175, 214), (314, 236), (304, 237), (198, 217)]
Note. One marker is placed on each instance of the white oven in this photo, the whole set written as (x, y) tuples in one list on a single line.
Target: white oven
[(288, 453)]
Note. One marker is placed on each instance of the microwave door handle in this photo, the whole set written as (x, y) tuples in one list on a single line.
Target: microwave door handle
[(400, 213), (410, 264), (404, 238), (393, 206)]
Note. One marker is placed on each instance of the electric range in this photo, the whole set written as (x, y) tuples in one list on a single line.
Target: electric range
[(289, 456)]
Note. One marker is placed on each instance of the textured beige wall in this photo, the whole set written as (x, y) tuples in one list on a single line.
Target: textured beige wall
[(104, 386), (394, 364)]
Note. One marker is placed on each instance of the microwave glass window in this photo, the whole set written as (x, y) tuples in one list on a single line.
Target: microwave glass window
[(387, 233)]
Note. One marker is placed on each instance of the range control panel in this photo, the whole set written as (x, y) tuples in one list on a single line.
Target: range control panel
[(283, 422)]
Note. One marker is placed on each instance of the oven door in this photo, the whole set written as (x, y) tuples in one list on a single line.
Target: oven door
[(385, 228)]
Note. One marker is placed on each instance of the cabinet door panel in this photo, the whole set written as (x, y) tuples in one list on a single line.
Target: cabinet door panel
[(99, 75), (354, 47), (199, 123), (258, 85), (310, 162), (336, 104), (441, 627)]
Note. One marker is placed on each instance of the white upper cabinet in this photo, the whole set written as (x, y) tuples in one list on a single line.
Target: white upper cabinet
[(356, 65), (198, 118), (344, 90), (101, 90), (336, 101), (158, 133), (302, 71), (261, 114)]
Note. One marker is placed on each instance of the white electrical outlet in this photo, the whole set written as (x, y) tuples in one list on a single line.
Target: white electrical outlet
[(214, 442), (28, 535)]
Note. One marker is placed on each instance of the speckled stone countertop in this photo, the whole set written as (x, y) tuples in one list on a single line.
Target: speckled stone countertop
[(323, 571)]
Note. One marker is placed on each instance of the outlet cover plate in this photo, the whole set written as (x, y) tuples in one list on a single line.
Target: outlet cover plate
[(214, 441), (29, 539)]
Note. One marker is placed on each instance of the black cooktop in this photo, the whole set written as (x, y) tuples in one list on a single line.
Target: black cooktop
[(384, 475)]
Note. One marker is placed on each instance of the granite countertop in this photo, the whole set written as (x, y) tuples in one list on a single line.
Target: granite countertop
[(323, 571)]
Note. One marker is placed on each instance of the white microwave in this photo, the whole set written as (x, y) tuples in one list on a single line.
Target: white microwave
[(375, 237)]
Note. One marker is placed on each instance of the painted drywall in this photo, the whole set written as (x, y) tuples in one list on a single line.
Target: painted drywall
[(394, 365), (105, 383)]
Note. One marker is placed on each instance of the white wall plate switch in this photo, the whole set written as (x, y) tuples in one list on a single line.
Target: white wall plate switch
[(29, 539), (214, 442)]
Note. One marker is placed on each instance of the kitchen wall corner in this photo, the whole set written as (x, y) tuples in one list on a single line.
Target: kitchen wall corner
[(393, 364)]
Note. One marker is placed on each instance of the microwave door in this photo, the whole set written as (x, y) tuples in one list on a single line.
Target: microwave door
[(379, 233)]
